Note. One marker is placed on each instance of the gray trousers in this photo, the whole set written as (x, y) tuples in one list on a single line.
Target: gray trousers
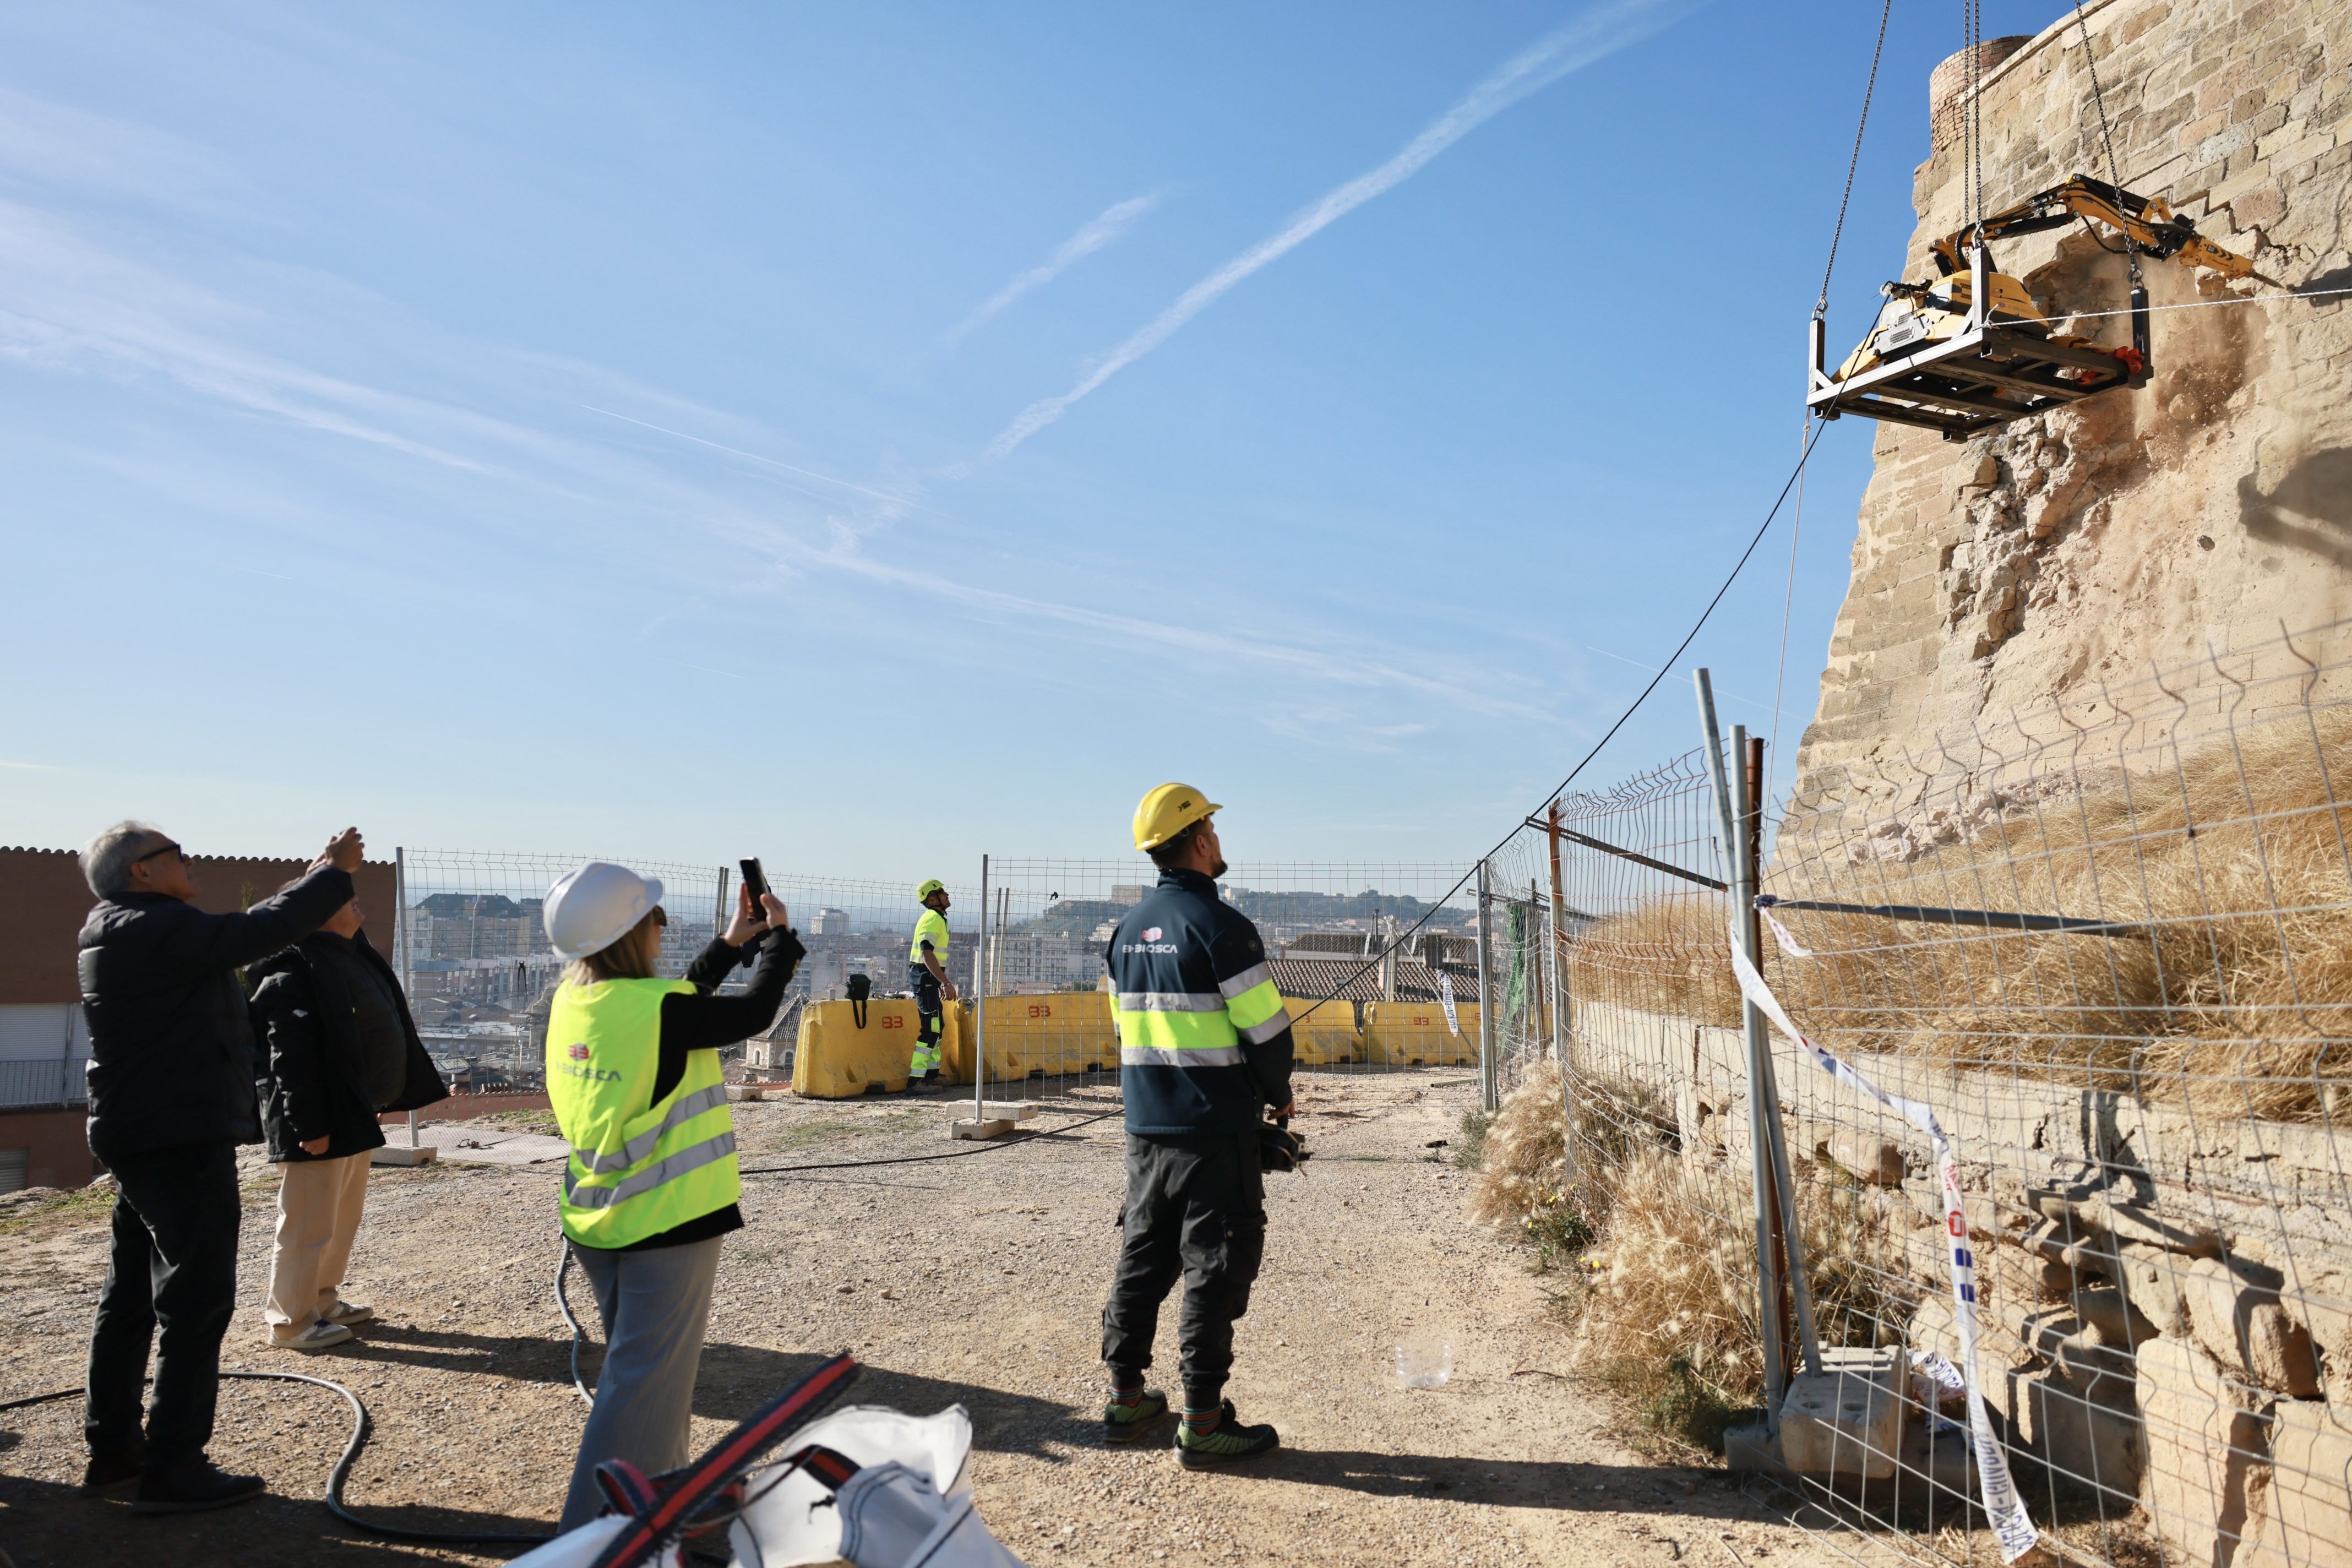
[(655, 1304)]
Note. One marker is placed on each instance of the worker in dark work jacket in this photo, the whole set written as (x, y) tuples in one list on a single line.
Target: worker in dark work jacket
[(1204, 1054)]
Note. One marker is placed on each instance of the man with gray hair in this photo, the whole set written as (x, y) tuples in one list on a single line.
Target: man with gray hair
[(170, 1095)]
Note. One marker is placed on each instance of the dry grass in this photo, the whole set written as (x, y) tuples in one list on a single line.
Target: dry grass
[(1664, 1293), (2237, 996)]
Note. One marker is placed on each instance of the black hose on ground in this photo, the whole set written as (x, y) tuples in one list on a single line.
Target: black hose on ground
[(988, 1147), (342, 1474)]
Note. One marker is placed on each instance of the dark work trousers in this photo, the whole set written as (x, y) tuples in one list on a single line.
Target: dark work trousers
[(174, 1267), (933, 1014), (1194, 1205)]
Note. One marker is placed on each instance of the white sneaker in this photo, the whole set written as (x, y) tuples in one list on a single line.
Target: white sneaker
[(346, 1312), (317, 1337)]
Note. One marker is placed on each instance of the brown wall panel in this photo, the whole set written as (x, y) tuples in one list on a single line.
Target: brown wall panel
[(43, 902)]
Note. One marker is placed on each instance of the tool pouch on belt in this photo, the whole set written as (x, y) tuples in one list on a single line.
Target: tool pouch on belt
[(861, 986), (1279, 1148)]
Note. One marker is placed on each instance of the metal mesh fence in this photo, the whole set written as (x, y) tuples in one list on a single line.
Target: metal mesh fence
[(2109, 942), (471, 944), (1329, 929)]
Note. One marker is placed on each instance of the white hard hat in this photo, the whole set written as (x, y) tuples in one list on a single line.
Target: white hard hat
[(589, 909)]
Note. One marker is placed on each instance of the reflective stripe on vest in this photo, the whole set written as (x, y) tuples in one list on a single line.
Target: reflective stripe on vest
[(1197, 1028), (637, 1167)]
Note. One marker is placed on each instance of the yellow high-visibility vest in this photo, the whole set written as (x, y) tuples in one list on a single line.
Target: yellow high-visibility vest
[(932, 928), (638, 1166)]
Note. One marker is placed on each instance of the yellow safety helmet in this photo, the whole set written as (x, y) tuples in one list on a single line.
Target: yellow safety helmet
[(930, 885), (1168, 811)]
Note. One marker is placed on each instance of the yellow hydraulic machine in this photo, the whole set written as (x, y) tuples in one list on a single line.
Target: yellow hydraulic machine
[(1970, 350)]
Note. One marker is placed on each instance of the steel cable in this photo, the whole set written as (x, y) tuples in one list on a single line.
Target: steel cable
[(1688, 638), (1853, 162)]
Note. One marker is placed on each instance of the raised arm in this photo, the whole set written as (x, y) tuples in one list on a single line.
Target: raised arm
[(198, 943)]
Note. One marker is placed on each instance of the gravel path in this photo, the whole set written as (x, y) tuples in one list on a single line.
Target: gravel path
[(978, 1281)]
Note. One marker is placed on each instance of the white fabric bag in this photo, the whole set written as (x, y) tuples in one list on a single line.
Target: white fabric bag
[(908, 1503)]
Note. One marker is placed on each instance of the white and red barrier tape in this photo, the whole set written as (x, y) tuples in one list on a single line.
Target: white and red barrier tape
[(2002, 1506)]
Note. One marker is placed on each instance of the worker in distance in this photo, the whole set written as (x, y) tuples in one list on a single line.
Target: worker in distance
[(651, 1183), (926, 978), (1204, 1054)]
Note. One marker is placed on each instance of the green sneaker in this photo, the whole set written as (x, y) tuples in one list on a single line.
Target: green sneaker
[(1226, 1441), (1124, 1422)]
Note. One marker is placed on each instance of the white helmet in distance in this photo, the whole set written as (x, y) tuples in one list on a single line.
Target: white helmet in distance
[(589, 909)]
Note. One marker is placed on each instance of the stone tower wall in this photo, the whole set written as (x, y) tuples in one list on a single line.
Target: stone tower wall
[(2139, 527)]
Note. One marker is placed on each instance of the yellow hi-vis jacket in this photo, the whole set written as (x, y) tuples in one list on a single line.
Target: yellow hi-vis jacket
[(638, 1166), (931, 927)]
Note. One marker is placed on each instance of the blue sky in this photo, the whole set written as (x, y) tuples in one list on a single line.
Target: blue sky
[(871, 436)]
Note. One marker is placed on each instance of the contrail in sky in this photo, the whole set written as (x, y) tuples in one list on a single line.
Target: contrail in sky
[(1597, 33), (1106, 227)]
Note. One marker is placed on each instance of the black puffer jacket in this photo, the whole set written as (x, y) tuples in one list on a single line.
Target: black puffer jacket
[(310, 1082), (170, 1044)]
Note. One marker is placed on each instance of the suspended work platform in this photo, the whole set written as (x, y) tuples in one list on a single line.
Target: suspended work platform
[(1948, 357)]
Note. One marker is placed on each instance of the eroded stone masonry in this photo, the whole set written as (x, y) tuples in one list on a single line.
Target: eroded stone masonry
[(2134, 527)]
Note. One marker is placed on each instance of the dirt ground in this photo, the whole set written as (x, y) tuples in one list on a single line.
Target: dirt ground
[(977, 1281)]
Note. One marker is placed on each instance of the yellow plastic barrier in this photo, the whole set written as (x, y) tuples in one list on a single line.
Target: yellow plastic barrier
[(955, 1044), (1328, 1038), (1049, 1034), (836, 1060), (1414, 1034)]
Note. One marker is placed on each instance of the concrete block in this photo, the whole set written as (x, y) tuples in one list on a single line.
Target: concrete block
[(1008, 1110), (994, 1127), (2205, 1453), (1848, 1418), (2235, 1314), (402, 1155), (2306, 1512)]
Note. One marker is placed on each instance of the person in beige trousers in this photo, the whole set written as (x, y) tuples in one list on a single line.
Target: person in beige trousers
[(338, 1045)]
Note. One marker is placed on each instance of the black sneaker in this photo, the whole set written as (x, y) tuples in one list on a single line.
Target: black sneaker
[(111, 1475), (1124, 1420), (1223, 1444), (192, 1487)]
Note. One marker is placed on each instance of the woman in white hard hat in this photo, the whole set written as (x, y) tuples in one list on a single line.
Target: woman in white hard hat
[(651, 1184)]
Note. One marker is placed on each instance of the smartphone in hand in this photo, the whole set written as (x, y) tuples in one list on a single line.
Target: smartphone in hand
[(755, 882)]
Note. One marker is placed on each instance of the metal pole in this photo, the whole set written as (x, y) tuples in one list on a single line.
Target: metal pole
[(719, 916), (979, 1005), (1770, 1320), (403, 933), (1560, 1029), (1790, 1235), (1763, 1098), (1490, 1092)]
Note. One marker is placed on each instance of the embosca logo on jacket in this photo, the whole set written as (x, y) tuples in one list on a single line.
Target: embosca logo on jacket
[(1151, 933)]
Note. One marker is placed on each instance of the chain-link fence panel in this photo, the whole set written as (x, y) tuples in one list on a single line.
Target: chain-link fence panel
[(472, 949)]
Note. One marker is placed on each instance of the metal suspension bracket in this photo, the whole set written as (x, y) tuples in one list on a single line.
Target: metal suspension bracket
[(1996, 368)]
